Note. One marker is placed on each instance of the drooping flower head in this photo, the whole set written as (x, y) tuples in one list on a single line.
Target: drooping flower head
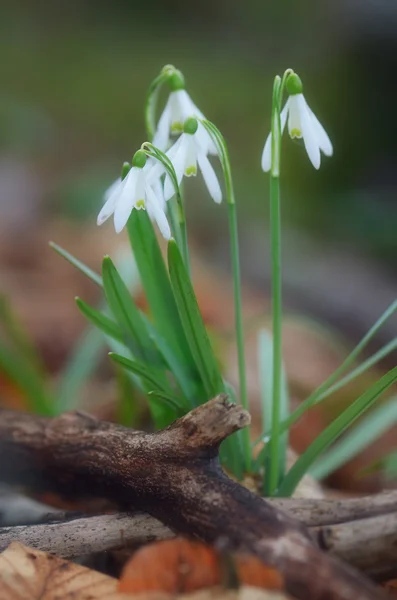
[(178, 109), (136, 189), (302, 124), (187, 154)]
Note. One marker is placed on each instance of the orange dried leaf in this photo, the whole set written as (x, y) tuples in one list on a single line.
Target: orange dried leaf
[(182, 566)]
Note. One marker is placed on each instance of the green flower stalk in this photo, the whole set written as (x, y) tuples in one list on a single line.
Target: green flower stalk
[(222, 150)]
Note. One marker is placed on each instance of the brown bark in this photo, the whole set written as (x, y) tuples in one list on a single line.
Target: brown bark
[(174, 475)]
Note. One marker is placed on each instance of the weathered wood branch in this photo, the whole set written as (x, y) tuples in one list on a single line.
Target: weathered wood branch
[(368, 544), (328, 511), (174, 475), (77, 537)]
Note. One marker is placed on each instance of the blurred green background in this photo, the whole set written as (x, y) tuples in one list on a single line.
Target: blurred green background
[(73, 81)]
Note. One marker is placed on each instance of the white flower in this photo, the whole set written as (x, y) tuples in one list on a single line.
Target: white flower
[(186, 154), (302, 123), (138, 190), (178, 109)]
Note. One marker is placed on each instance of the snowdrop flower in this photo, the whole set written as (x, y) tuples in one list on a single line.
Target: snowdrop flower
[(186, 154), (302, 124), (178, 109), (139, 190)]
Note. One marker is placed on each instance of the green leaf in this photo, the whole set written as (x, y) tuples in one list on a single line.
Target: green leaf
[(334, 431), (193, 325), (151, 375), (190, 384), (100, 320), (157, 286), (171, 401), (77, 263), (265, 358), (28, 380), (153, 380), (321, 392), (86, 355), (367, 431), (88, 350), (128, 315)]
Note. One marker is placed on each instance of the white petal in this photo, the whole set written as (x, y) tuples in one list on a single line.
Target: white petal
[(267, 150), (162, 136), (187, 106), (125, 202), (177, 115), (112, 195), (296, 109), (157, 188), (191, 156), (112, 188), (210, 178), (178, 161), (323, 140), (205, 140), (157, 213), (266, 160), (309, 133)]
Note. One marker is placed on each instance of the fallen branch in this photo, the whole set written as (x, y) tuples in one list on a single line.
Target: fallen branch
[(174, 474), (320, 512), (369, 544), (75, 538)]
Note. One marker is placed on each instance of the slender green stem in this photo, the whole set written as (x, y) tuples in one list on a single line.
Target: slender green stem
[(182, 229), (223, 153), (273, 472), (275, 221), (238, 314)]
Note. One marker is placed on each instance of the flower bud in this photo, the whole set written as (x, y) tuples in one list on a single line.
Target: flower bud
[(125, 169), (176, 81), (294, 84), (190, 126), (139, 159)]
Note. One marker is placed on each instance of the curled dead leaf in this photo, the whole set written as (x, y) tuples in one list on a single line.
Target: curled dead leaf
[(28, 574)]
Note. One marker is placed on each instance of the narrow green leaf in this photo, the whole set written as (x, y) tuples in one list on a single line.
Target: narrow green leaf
[(86, 355), (189, 383), (334, 431), (169, 400), (28, 380), (87, 352), (192, 321), (153, 380), (77, 263), (18, 336), (362, 435), (265, 359), (320, 392), (100, 320), (151, 375), (128, 315), (157, 286)]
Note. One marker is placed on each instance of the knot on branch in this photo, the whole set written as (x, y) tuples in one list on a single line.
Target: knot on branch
[(205, 427)]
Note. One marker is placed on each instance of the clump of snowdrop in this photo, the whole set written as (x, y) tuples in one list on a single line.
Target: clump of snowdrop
[(189, 154), (178, 109), (302, 124), (139, 189)]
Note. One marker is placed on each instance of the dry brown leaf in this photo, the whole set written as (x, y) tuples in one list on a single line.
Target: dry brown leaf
[(28, 574)]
